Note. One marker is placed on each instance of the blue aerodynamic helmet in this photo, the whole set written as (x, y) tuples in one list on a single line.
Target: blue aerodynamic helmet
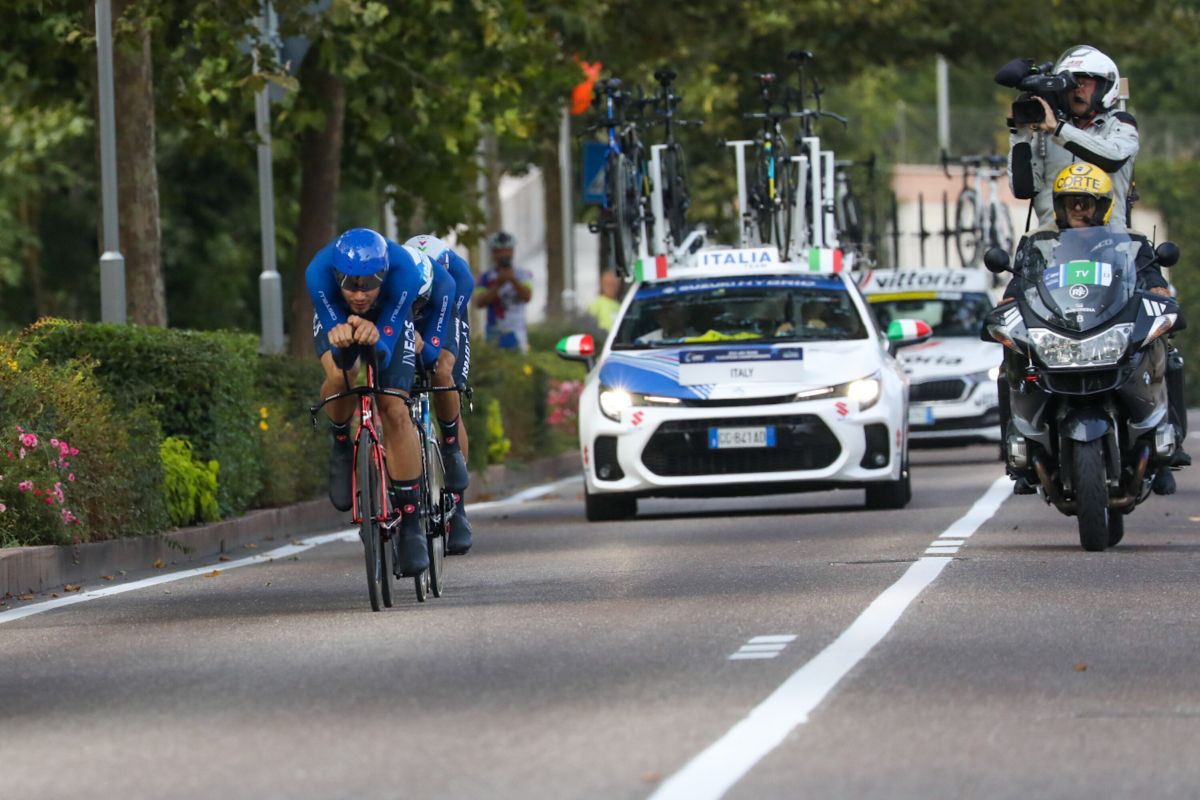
[(360, 259)]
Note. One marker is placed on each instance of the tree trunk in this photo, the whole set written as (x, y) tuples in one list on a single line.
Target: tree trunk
[(320, 173), (137, 174), (555, 251)]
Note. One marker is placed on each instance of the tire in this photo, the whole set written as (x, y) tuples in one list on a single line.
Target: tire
[(675, 194), (966, 232), (890, 494), (1000, 228), (1116, 528), (608, 507), (782, 211), (850, 232), (762, 202), (435, 537), (622, 243), (1089, 476), (367, 485)]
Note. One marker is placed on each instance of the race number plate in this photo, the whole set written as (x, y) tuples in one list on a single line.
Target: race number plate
[(921, 415), (722, 438)]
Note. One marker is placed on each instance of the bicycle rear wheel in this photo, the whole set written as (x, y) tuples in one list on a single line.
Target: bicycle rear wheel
[(850, 231), (675, 193), (435, 516), (1000, 228), (782, 211), (966, 227), (367, 486)]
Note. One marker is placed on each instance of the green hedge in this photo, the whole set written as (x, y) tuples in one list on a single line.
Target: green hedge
[(198, 385)]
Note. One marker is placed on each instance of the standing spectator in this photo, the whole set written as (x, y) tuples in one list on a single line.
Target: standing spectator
[(606, 305), (504, 291)]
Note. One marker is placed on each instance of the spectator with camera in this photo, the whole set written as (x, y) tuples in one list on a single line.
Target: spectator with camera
[(1069, 114)]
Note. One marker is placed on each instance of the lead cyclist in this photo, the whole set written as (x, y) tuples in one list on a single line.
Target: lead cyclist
[(452, 368)]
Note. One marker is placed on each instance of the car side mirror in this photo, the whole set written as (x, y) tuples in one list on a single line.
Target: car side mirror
[(1167, 254), (996, 260), (907, 332), (580, 347)]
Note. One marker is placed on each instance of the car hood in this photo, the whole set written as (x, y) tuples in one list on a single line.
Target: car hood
[(956, 355), (748, 371)]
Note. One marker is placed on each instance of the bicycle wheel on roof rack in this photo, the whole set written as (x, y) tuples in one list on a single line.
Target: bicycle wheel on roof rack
[(617, 182), (1000, 227), (675, 193), (782, 211), (966, 227)]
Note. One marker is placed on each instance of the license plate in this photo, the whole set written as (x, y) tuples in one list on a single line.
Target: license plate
[(721, 438), (918, 415)]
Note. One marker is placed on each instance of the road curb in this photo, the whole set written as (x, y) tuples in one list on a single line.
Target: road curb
[(29, 570)]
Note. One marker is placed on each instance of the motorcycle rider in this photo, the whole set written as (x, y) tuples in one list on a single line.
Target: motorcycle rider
[(1083, 196), (1094, 131)]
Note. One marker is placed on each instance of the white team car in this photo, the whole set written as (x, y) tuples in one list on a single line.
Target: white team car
[(952, 392), (735, 374)]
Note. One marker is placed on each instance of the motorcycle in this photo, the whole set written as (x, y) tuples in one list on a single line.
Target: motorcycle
[(1085, 359)]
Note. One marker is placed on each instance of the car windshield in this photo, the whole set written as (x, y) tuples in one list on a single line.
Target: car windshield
[(764, 309), (948, 313)]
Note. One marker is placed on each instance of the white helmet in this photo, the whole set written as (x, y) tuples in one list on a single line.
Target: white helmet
[(1084, 59), (425, 267)]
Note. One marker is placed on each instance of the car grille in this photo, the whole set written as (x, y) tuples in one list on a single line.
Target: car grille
[(680, 447), (948, 389)]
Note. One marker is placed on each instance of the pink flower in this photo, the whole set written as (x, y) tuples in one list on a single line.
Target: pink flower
[(20, 429), (54, 442), (74, 451), (22, 452), (71, 477), (29, 440), (37, 492), (25, 486), (3, 508)]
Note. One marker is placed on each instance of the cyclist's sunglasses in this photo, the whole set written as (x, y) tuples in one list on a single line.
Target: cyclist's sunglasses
[(359, 283)]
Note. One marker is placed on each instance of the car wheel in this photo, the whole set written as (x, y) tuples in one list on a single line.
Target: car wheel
[(607, 507), (890, 494)]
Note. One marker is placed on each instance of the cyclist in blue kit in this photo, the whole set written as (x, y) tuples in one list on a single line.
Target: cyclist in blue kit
[(452, 368), (367, 291)]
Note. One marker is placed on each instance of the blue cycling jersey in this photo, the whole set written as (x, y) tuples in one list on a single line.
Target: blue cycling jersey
[(441, 253), (394, 305)]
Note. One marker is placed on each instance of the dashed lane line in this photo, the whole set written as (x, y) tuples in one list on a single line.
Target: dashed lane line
[(723, 763)]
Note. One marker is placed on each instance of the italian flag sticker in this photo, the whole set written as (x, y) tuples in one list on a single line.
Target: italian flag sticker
[(825, 260), (907, 329), (654, 268)]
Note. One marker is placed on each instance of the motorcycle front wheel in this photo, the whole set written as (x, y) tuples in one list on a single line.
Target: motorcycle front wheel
[(1091, 494)]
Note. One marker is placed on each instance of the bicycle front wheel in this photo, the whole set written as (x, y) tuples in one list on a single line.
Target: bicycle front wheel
[(436, 517), (367, 487), (621, 232), (966, 227)]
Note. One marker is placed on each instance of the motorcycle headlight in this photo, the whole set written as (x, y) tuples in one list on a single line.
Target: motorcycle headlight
[(1103, 349)]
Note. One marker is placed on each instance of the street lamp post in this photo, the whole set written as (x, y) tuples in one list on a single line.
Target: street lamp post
[(112, 263), (270, 286)]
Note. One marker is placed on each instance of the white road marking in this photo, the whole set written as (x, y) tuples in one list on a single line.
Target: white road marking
[(740, 656), (936, 550), (942, 541), (774, 639), (763, 648), (348, 535), (723, 763), (532, 493)]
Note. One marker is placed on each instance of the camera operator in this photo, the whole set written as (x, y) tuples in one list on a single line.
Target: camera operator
[(1088, 127)]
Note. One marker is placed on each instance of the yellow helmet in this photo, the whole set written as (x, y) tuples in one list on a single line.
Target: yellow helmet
[(1083, 179)]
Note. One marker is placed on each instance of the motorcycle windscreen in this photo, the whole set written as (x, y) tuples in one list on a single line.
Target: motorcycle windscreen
[(1092, 275)]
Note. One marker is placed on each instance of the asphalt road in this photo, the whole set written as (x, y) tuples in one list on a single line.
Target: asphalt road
[(576, 660)]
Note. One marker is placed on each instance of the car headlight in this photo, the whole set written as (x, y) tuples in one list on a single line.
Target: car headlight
[(994, 373), (614, 400), (984, 376), (1056, 350), (864, 390)]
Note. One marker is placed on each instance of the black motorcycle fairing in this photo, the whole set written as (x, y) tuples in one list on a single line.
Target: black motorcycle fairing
[(1085, 424), (1079, 278)]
